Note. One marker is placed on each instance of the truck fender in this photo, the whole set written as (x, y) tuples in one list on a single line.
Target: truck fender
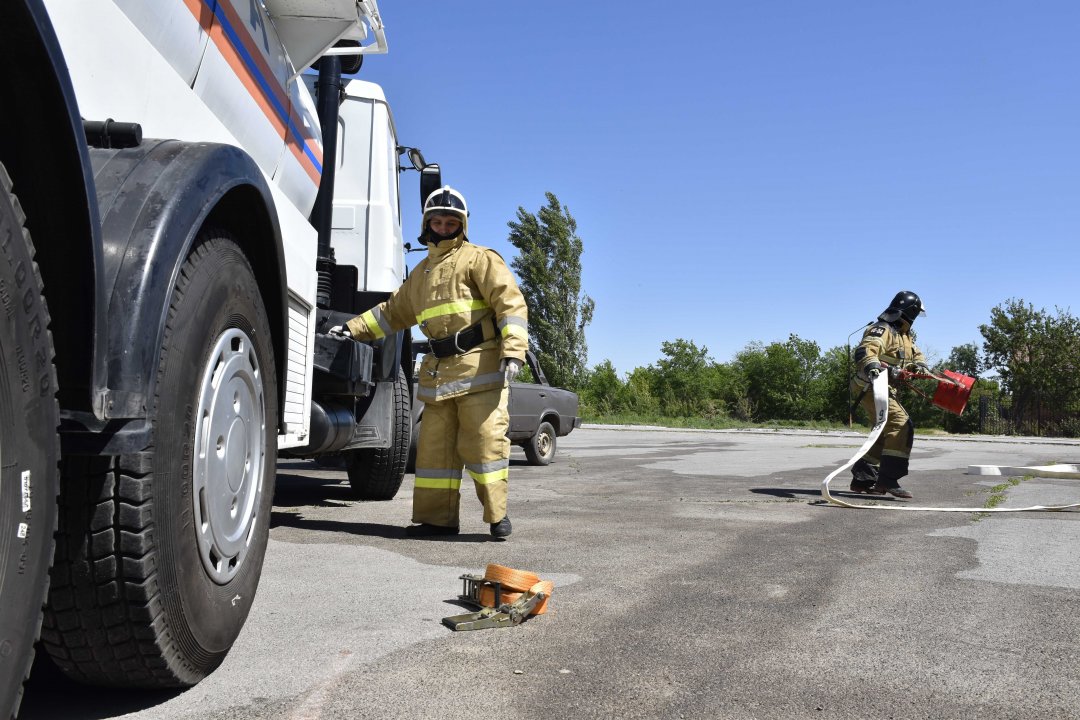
[(43, 147), (153, 200), (390, 357)]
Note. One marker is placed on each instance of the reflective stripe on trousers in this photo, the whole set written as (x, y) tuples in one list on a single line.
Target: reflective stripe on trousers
[(457, 386), (468, 431)]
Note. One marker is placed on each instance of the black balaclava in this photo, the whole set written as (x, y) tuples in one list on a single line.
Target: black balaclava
[(430, 236)]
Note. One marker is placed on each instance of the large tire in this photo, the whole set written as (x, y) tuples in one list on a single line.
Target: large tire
[(376, 473), (540, 448), (29, 450), (159, 552)]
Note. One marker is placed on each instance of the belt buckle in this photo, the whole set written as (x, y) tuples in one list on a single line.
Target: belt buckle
[(457, 347)]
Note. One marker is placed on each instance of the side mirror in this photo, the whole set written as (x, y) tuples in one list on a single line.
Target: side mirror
[(430, 181), (416, 158)]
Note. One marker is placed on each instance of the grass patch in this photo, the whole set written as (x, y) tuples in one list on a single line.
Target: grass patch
[(997, 494)]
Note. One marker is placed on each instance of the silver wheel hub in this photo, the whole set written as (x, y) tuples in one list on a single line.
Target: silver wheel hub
[(227, 476)]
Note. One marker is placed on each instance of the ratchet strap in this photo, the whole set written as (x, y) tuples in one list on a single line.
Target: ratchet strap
[(505, 597), (881, 412)]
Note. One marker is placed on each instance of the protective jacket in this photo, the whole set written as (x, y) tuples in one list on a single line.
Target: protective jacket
[(456, 287), (889, 344)]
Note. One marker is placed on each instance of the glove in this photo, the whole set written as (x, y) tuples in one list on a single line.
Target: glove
[(919, 367), (872, 372), (341, 331), (510, 368)]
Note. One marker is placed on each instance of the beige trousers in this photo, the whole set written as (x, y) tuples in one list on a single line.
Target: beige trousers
[(466, 431), (893, 448)]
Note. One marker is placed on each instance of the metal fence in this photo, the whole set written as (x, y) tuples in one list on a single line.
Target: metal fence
[(1006, 415)]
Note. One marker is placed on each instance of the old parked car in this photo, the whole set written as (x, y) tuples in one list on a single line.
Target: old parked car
[(539, 413)]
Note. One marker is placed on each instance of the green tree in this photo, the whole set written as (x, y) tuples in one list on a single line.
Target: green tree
[(833, 385), (601, 388), (1033, 351), (635, 396), (964, 359), (548, 267), (782, 379), (683, 380)]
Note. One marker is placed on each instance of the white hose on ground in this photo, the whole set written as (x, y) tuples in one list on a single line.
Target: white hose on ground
[(881, 412)]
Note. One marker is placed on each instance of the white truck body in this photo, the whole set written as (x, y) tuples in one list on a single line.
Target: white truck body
[(170, 215), (366, 202), (221, 75)]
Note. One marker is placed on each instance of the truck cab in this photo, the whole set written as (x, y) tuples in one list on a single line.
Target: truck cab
[(190, 197)]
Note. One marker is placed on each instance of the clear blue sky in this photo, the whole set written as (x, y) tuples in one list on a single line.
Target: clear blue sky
[(741, 171)]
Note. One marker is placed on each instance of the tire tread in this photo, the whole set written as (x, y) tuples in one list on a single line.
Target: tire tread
[(6, 186), (104, 591), (108, 618)]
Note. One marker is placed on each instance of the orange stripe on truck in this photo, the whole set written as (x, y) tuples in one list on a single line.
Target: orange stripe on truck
[(232, 37)]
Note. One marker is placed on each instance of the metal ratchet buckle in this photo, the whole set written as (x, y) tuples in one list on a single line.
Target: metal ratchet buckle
[(502, 615)]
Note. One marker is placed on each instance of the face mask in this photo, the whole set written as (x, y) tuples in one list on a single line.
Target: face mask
[(437, 238)]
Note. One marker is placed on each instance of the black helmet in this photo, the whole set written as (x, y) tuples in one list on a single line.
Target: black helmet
[(905, 305)]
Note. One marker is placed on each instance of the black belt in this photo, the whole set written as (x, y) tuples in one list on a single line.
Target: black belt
[(460, 342)]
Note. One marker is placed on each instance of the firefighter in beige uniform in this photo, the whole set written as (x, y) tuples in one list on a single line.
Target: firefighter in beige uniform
[(888, 342), (466, 301)]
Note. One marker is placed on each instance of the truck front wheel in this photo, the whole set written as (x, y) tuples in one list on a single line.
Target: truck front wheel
[(29, 450), (159, 552)]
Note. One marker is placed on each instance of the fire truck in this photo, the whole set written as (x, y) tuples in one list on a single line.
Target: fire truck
[(192, 193)]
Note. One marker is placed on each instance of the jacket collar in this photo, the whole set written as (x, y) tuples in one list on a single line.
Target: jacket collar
[(437, 252)]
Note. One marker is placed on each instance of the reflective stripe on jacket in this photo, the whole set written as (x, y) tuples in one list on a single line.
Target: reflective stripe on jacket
[(457, 285), (884, 343)]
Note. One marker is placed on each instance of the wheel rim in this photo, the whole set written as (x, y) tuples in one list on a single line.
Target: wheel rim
[(543, 444), (227, 477)]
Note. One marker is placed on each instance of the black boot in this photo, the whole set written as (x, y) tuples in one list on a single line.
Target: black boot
[(889, 482), (864, 477), (502, 528), (895, 490)]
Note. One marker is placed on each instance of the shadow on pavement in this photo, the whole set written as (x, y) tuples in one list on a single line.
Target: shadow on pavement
[(296, 490), (50, 694), (396, 532), (796, 493)]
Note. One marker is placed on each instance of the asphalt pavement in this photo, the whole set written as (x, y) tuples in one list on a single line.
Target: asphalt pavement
[(697, 575)]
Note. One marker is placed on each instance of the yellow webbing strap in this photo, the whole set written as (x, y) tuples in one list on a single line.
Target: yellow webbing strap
[(518, 582)]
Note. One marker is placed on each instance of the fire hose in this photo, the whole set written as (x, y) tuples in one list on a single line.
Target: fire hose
[(880, 388)]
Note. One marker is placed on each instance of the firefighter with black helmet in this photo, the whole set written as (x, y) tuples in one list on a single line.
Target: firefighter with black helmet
[(466, 301), (888, 345)]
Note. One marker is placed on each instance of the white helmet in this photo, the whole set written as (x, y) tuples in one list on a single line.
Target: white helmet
[(445, 201)]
